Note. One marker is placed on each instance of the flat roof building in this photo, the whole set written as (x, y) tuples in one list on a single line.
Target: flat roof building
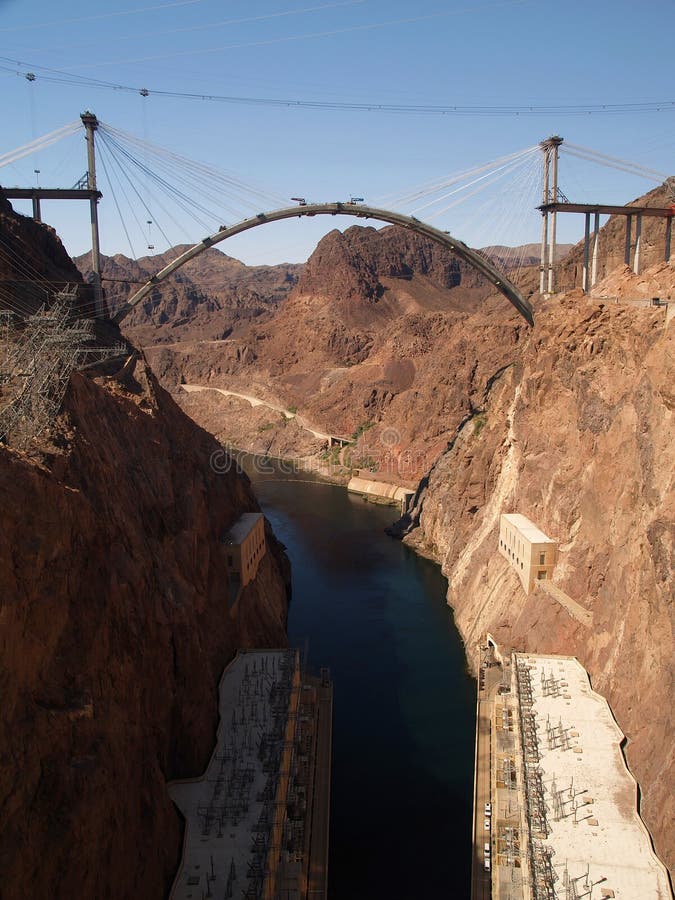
[(245, 547), (584, 835), (249, 818), (528, 550)]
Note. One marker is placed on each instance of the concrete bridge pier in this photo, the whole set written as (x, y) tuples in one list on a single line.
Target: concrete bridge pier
[(587, 244), (596, 244), (626, 250), (638, 244)]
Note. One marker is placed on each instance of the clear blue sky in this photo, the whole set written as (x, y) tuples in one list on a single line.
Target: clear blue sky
[(457, 52)]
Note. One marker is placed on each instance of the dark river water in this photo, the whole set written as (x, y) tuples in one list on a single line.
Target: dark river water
[(404, 704)]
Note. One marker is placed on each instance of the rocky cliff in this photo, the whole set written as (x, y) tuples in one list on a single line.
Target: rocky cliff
[(576, 433), (114, 626), (34, 264), (115, 629)]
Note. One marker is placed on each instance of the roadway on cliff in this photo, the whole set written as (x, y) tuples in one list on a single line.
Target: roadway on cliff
[(256, 401), (489, 680)]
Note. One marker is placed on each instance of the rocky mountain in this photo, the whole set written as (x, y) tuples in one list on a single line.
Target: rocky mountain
[(375, 317), (204, 299), (115, 628), (525, 255)]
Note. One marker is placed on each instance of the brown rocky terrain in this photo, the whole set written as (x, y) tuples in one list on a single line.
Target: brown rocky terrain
[(569, 423), (114, 629), (375, 316), (204, 299), (577, 435)]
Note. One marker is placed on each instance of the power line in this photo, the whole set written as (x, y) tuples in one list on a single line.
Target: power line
[(58, 76), (109, 15)]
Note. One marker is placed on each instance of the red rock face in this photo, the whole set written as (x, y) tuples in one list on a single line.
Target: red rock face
[(114, 631), (577, 436)]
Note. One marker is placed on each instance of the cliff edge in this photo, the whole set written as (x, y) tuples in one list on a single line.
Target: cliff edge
[(577, 435), (114, 630)]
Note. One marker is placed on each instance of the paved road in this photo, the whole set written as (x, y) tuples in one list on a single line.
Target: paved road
[(256, 401), (480, 879)]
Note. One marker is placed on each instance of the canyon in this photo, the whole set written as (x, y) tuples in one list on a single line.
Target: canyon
[(115, 621), (443, 388)]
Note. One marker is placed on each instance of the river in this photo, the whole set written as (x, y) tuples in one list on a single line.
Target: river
[(404, 705)]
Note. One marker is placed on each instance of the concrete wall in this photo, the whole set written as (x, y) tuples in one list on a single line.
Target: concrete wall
[(532, 560), (246, 548), (541, 563), (381, 491)]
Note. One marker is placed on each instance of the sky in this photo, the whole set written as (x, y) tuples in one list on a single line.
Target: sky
[(506, 74)]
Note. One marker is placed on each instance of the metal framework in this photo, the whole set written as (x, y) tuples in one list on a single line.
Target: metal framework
[(41, 353)]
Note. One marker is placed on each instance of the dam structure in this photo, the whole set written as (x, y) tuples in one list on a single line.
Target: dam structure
[(562, 818), (256, 822)]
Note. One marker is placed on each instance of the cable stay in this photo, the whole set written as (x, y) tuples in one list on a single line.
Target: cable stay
[(428, 188), (40, 143), (614, 162)]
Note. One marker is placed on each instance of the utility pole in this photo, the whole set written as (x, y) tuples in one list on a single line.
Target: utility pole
[(90, 123), (549, 195)]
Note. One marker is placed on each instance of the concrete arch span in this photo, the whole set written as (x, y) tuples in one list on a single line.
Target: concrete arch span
[(359, 211)]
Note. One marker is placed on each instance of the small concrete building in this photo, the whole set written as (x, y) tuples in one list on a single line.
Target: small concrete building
[(529, 551), (245, 547)]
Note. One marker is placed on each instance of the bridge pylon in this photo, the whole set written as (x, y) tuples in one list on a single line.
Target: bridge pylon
[(550, 148), (90, 123)]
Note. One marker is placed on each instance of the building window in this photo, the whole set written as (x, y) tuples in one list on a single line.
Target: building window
[(542, 559), (230, 560), (541, 575)]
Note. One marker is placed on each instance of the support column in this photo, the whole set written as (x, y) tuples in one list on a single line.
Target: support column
[(37, 215), (596, 240), (554, 142), (549, 196), (669, 228), (544, 252), (90, 123), (544, 221), (638, 243), (626, 249), (587, 238)]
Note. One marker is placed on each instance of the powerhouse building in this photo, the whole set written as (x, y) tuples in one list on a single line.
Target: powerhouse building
[(528, 550)]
